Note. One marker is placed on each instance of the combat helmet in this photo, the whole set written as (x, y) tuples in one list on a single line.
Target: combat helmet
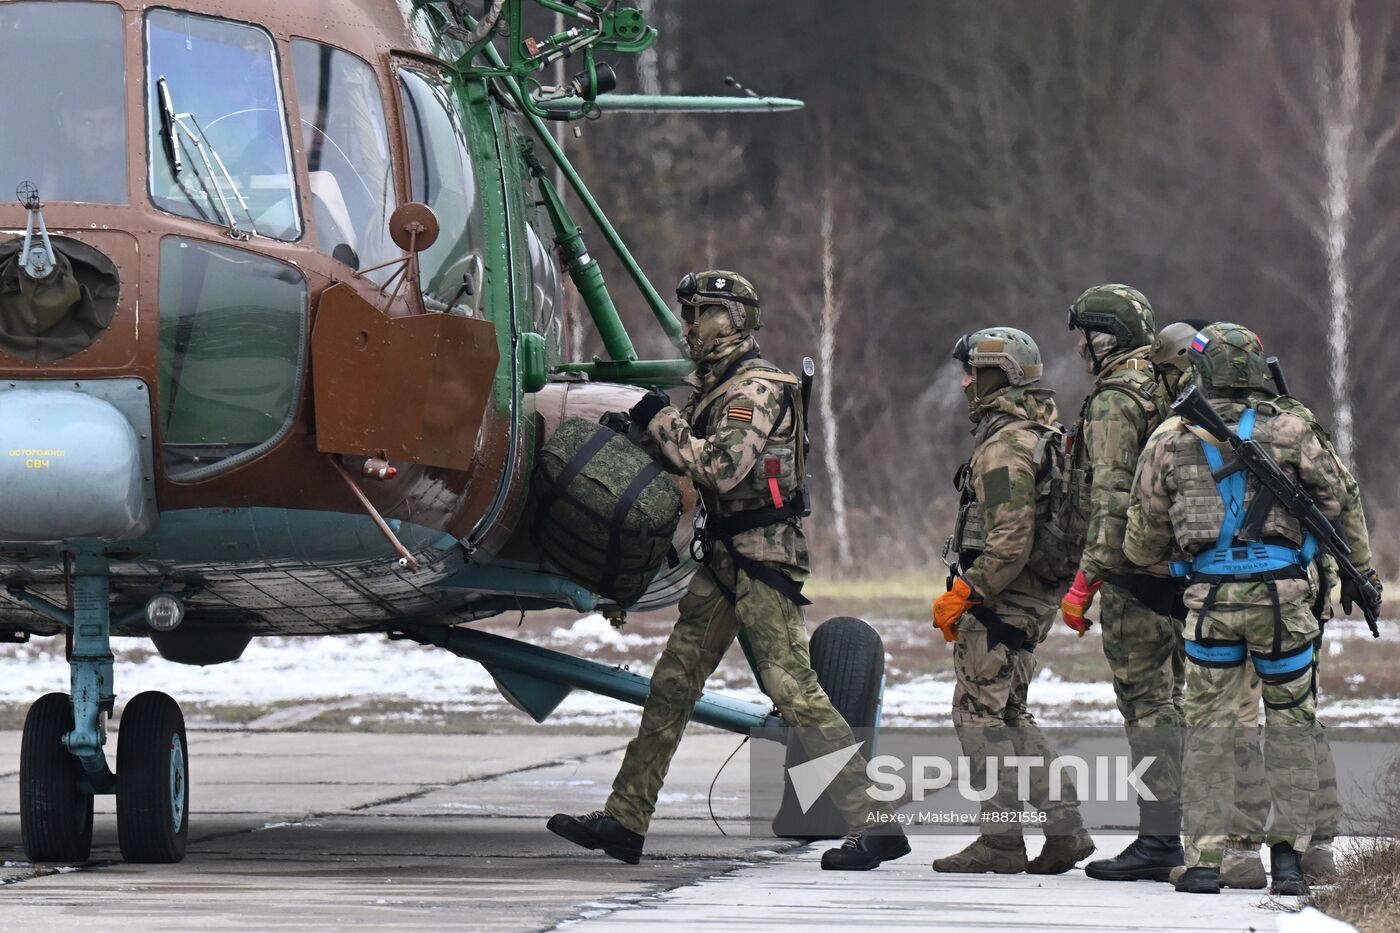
[(1007, 355), (1230, 360), (1118, 310), (1173, 343), (728, 289)]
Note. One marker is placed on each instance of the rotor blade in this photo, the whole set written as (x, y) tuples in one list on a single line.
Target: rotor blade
[(663, 103)]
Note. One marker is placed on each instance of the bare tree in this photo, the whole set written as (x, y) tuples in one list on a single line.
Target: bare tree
[(1343, 120)]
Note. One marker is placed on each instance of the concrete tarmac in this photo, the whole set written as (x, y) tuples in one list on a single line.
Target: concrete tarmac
[(319, 831)]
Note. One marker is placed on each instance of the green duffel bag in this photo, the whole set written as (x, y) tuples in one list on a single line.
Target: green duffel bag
[(604, 511)]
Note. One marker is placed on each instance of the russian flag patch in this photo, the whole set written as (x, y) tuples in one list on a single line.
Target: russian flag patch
[(1199, 343)]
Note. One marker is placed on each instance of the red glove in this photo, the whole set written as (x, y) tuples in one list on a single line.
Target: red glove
[(949, 607), (1077, 602)]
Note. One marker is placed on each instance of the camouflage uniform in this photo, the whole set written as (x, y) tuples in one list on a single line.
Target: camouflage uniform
[(754, 420), (1001, 560), (1141, 636), (989, 702), (1176, 503), (1251, 784)]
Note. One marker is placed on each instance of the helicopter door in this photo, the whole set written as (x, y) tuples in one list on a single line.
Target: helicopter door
[(414, 388)]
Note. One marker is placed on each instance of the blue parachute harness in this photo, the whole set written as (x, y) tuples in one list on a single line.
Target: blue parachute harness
[(1232, 561)]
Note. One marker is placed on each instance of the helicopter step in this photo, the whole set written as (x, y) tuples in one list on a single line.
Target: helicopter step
[(62, 761)]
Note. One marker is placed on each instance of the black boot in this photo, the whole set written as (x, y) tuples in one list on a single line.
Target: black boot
[(1147, 858), (599, 830), (1286, 868), (1199, 881), (866, 850), (1153, 854)]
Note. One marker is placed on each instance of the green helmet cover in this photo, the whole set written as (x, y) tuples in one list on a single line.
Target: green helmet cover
[(1230, 357), (1120, 310)]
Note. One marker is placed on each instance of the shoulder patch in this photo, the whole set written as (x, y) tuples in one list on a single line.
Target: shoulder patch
[(739, 412), (997, 485)]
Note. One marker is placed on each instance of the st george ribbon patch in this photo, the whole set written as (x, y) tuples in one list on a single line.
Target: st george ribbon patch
[(739, 413)]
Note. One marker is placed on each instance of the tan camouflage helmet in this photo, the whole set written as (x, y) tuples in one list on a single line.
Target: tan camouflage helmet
[(1120, 310), (1173, 343), (1230, 357), (727, 289), (1005, 348)]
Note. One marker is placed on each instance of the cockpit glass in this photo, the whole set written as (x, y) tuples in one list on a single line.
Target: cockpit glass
[(217, 127), (63, 105), (347, 155)]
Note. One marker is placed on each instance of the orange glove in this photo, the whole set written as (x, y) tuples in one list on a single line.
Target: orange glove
[(949, 607), (1077, 602)]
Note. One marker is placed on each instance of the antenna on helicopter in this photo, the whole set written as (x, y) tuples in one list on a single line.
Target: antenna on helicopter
[(731, 81)]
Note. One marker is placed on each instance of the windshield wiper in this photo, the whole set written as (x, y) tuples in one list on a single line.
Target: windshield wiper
[(172, 125)]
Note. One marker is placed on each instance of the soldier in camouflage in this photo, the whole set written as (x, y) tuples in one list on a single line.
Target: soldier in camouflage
[(739, 439), (1241, 866), (1141, 637), (1001, 602), (1250, 600)]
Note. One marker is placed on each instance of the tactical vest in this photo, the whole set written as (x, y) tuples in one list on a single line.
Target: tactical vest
[(1134, 379), (782, 463), (1059, 535), (1199, 510)]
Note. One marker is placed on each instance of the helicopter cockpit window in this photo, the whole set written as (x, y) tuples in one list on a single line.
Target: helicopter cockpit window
[(232, 352), (66, 125), (547, 291), (218, 131), (347, 155), (441, 175)]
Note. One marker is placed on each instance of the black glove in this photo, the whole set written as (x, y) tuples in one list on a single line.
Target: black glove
[(647, 407), (616, 421), (1350, 594)]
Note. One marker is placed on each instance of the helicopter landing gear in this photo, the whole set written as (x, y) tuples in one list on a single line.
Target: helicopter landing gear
[(62, 762)]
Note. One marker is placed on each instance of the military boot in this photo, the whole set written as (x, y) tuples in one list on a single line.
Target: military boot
[(599, 830), (1287, 871), (1149, 857), (1060, 853), (1319, 864), (866, 850), (1004, 855), (1199, 881)]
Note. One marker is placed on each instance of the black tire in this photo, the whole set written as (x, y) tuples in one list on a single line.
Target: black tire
[(848, 657), (153, 789), (55, 815)]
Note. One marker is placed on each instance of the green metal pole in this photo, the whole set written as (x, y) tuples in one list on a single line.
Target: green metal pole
[(663, 314), (637, 372), (583, 269)]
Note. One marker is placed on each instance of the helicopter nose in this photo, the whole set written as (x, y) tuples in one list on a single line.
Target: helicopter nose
[(72, 466)]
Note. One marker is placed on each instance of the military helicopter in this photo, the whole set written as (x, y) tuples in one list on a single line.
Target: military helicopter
[(280, 338)]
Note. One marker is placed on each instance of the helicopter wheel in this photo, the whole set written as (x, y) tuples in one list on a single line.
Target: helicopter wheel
[(153, 791), (55, 815)]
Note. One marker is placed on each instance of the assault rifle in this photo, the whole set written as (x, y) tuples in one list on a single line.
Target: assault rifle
[(1275, 486)]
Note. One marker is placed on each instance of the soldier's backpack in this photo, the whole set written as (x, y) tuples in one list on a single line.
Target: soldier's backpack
[(603, 511), (1060, 525)]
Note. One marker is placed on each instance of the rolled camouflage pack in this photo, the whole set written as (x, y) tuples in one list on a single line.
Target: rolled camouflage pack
[(603, 511)]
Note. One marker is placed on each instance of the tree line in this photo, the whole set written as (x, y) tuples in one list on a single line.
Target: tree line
[(961, 164)]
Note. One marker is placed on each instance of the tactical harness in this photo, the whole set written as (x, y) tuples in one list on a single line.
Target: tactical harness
[(724, 528), (1235, 561)]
